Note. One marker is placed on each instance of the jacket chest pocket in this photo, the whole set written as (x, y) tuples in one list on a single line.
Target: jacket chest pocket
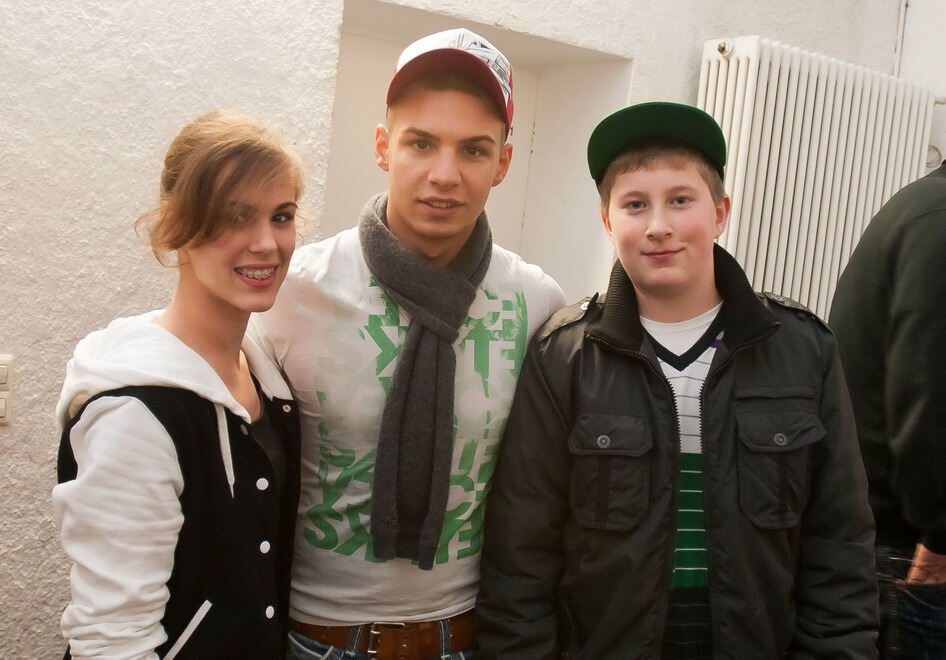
[(610, 476), (775, 453)]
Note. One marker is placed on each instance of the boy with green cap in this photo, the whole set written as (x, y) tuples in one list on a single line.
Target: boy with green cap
[(679, 476)]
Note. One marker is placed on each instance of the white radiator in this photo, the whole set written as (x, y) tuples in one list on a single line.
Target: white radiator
[(816, 146)]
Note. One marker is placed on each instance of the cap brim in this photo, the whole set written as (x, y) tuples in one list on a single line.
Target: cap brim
[(684, 124), (456, 61)]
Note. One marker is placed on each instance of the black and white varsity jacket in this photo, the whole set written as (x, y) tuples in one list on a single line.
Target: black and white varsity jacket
[(179, 529)]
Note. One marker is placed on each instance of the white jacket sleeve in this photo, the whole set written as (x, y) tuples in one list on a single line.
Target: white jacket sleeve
[(119, 521)]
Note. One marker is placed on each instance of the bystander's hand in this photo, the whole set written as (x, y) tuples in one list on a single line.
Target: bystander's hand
[(927, 567)]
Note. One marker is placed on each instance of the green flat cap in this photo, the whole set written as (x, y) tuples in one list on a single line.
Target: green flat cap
[(659, 119)]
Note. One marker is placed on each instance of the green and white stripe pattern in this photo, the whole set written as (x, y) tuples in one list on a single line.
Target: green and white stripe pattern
[(688, 631)]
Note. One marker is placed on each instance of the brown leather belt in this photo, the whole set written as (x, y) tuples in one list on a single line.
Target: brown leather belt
[(411, 640)]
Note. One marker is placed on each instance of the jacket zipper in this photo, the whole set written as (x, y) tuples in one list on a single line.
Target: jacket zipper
[(710, 570)]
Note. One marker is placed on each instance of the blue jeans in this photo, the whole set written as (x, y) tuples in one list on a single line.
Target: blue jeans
[(303, 648), (912, 616)]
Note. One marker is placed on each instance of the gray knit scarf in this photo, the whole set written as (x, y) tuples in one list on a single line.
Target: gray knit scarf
[(415, 445)]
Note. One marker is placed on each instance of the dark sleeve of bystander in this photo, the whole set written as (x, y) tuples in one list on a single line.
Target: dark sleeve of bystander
[(915, 393)]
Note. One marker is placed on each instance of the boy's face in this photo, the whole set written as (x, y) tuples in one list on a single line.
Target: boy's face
[(443, 151), (663, 222)]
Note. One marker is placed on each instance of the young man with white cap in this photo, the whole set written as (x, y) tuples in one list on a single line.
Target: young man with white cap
[(402, 339)]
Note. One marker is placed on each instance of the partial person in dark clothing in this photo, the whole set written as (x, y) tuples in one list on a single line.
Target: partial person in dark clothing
[(890, 323), (679, 477)]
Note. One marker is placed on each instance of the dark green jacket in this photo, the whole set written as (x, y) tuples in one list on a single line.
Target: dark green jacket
[(889, 317), (579, 532)]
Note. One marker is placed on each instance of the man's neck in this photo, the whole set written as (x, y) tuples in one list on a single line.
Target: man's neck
[(675, 309), (440, 251), (437, 252)]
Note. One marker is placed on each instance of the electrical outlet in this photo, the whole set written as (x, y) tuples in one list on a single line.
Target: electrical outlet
[(6, 373)]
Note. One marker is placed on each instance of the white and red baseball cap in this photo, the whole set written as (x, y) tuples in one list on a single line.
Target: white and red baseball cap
[(457, 51)]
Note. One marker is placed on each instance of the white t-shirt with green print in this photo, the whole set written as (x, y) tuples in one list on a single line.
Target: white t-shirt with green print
[(337, 337)]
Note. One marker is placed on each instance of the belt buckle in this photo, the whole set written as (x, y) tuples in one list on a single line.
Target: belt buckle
[(374, 634)]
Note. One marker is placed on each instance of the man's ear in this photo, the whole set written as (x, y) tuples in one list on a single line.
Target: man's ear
[(381, 145), (606, 220), (722, 214), (505, 157)]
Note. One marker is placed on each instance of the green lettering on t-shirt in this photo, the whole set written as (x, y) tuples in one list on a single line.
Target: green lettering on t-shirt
[(494, 347), (334, 485)]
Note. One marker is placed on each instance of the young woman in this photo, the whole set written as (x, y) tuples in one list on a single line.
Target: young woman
[(179, 458)]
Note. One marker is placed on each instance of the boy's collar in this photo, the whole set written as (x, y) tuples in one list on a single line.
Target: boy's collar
[(743, 316)]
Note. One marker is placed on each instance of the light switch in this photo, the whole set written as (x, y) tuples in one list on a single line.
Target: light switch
[(6, 370)]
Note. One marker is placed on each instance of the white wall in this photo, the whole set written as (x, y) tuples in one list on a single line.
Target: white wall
[(922, 62), (93, 91), (563, 229)]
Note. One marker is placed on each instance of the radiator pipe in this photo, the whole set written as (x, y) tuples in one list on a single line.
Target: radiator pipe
[(901, 28)]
